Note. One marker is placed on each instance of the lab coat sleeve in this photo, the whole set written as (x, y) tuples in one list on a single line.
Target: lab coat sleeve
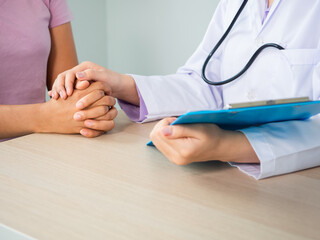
[(185, 91), (285, 147)]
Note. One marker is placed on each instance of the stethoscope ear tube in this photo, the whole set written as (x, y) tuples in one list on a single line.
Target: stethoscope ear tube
[(247, 66)]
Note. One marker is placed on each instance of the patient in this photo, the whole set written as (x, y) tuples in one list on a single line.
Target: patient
[(36, 44)]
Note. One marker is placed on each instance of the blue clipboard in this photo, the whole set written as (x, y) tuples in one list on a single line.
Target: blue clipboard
[(238, 118)]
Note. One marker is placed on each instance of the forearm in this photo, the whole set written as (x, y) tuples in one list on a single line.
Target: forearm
[(18, 120)]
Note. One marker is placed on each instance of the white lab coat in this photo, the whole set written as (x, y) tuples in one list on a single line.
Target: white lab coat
[(295, 72)]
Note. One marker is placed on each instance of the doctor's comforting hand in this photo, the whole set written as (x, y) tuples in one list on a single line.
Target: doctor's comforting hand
[(117, 85), (184, 144)]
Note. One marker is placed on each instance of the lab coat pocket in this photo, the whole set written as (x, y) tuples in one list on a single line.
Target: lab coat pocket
[(302, 63), (302, 56)]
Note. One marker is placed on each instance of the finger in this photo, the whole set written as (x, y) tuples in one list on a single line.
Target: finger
[(81, 85), (156, 134), (55, 95), (89, 99), (58, 87), (165, 146), (91, 113), (92, 74), (176, 150), (99, 125), (163, 123), (50, 93), (104, 101), (89, 133), (69, 82), (100, 85), (182, 131), (112, 114)]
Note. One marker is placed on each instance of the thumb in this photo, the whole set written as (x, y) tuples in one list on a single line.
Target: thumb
[(178, 131), (91, 74)]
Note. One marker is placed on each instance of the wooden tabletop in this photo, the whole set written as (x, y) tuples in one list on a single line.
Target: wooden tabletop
[(115, 187)]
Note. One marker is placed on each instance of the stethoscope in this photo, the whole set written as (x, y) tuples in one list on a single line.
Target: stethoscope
[(247, 66)]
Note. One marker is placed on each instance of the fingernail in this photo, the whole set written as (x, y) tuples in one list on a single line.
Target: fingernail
[(83, 131), (80, 105), (80, 74), (77, 116), (68, 90), (167, 131), (61, 94)]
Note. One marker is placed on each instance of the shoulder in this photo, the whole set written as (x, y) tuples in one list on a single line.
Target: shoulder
[(52, 4), (59, 11)]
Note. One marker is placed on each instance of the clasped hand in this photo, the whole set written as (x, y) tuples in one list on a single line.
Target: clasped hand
[(89, 111)]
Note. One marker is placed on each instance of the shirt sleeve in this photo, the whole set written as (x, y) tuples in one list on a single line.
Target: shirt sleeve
[(135, 113), (60, 13)]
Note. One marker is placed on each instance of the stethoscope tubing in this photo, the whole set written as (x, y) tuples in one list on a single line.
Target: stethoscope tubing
[(224, 36)]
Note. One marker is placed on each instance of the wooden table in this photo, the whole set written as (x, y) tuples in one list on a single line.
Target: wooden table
[(115, 187)]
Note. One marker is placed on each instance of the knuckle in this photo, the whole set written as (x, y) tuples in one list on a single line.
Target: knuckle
[(99, 85), (86, 63), (61, 76), (185, 153), (101, 93), (89, 73), (91, 133), (105, 109), (110, 125), (112, 101), (83, 114), (180, 162)]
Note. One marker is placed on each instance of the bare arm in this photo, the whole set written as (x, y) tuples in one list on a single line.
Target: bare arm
[(63, 54), (58, 116), (17, 120)]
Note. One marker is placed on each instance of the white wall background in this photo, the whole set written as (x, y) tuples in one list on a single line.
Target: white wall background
[(140, 36)]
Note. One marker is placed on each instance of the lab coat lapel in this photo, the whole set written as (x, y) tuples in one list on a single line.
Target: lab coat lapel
[(256, 12), (258, 8), (273, 8)]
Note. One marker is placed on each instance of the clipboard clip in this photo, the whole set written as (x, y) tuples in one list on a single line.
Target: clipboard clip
[(266, 102)]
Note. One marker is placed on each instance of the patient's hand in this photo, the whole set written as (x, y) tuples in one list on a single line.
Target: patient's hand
[(96, 118)]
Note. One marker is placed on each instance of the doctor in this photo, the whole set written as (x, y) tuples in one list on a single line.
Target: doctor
[(260, 151)]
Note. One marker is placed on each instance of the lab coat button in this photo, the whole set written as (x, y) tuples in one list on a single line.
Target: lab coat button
[(251, 95)]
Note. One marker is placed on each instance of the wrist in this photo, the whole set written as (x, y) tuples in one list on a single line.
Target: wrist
[(40, 120), (126, 90), (235, 147)]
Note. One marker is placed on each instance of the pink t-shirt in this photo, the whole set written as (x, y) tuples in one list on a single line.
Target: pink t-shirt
[(25, 46)]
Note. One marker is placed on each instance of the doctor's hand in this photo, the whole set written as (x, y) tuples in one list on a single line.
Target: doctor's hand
[(80, 77), (184, 144)]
